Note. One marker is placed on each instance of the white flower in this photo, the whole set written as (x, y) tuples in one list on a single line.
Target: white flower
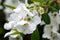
[(20, 24), (13, 34), (36, 19), (51, 30), (23, 16), (25, 27), (55, 17), (22, 20), (17, 17)]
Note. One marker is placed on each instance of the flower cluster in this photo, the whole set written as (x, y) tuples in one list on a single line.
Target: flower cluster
[(23, 17), (52, 30)]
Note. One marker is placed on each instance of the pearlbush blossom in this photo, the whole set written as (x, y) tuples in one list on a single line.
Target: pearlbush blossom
[(51, 31), (23, 17)]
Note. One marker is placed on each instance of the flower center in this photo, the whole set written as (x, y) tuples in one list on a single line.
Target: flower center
[(27, 18), (25, 24), (54, 14)]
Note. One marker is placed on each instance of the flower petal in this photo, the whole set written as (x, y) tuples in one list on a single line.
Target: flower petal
[(36, 20), (9, 25)]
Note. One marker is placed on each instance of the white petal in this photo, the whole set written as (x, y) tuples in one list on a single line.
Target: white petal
[(42, 23), (14, 36), (55, 28), (30, 29), (7, 11), (58, 19), (22, 22), (47, 31), (14, 17), (9, 25), (20, 26), (46, 36), (36, 20), (17, 10), (34, 12), (12, 2), (26, 10)]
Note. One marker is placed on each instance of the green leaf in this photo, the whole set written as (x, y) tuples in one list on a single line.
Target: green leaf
[(1, 30), (9, 6), (35, 35), (46, 18), (29, 1), (38, 1), (54, 7), (22, 34)]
